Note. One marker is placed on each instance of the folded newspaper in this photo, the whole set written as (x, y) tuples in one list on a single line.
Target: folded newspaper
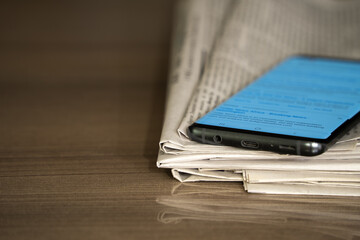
[(219, 47)]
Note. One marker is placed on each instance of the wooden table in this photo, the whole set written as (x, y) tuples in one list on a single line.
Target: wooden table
[(82, 91)]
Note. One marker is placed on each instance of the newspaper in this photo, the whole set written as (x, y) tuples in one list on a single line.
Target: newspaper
[(220, 47), (197, 24)]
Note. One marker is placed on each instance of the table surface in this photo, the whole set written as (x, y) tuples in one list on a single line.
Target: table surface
[(82, 91)]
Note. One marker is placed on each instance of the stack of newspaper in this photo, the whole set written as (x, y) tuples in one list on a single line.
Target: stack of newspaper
[(219, 47)]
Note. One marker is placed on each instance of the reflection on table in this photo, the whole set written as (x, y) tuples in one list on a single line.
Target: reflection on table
[(335, 217)]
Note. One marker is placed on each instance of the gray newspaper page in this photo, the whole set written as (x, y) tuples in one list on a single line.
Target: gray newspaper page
[(222, 46)]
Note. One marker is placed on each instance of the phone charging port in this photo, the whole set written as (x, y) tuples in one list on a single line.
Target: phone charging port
[(249, 144)]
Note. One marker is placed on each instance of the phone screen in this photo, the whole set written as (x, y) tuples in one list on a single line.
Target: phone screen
[(302, 96)]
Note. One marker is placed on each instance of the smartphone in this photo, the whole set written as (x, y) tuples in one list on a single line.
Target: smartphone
[(301, 106)]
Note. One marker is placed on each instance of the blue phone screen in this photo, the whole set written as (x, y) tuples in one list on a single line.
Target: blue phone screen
[(302, 96)]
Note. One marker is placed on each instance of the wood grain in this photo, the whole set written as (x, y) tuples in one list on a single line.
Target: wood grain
[(82, 91)]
